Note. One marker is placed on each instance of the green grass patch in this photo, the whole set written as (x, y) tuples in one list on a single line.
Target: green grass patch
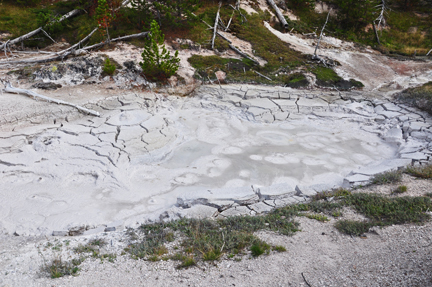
[(318, 217), (352, 227), (384, 211), (387, 177), (279, 248)]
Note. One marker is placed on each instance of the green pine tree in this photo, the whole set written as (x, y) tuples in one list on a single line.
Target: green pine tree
[(157, 62)]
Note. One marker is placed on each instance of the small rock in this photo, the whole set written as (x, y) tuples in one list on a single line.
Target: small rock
[(15, 233), (221, 76)]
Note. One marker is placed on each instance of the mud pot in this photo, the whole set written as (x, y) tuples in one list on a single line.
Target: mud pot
[(233, 149)]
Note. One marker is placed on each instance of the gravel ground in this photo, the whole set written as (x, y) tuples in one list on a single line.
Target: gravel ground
[(392, 256)]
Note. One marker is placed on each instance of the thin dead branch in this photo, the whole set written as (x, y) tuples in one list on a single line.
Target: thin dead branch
[(381, 17), (229, 22), (10, 89), (263, 76), (210, 27), (429, 52), (46, 34), (307, 283)]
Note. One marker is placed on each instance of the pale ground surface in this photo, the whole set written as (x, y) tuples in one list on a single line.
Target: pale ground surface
[(34, 146), (391, 256)]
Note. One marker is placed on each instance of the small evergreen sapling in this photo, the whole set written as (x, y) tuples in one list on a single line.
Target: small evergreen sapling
[(157, 62)]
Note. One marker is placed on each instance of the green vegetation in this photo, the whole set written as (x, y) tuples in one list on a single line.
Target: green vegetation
[(387, 177), (296, 80), (419, 97), (279, 248), (58, 268), (326, 77), (207, 239), (260, 248), (157, 62), (400, 189), (352, 227), (108, 68), (318, 217)]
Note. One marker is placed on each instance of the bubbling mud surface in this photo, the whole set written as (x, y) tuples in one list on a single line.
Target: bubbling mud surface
[(155, 157)]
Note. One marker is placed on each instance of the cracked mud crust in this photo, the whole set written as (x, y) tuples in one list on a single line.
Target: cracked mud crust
[(228, 150)]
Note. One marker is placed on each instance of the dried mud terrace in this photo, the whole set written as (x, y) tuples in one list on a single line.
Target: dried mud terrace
[(232, 149)]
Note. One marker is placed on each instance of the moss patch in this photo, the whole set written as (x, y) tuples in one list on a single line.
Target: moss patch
[(296, 80), (326, 77)]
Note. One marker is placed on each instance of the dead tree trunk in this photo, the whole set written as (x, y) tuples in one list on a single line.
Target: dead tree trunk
[(278, 14), (10, 89), (376, 33), (319, 39), (216, 25)]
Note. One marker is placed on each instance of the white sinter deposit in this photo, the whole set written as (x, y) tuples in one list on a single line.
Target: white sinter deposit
[(230, 149)]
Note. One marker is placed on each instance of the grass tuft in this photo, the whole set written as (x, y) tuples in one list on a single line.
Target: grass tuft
[(400, 189), (260, 248), (387, 177), (279, 248)]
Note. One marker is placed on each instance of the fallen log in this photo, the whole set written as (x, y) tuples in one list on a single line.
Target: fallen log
[(61, 57), (79, 43), (34, 32), (142, 34), (279, 14), (243, 54), (10, 89)]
